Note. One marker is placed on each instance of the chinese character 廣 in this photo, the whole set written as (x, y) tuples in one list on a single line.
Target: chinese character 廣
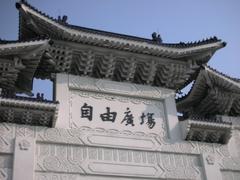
[(128, 118)]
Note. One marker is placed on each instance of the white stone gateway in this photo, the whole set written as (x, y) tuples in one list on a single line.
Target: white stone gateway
[(114, 115), (84, 145)]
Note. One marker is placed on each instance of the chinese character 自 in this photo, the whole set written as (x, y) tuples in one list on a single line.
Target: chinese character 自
[(86, 111)]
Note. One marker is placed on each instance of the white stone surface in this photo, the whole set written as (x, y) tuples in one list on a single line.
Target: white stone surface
[(211, 167), (156, 104), (23, 161), (71, 154), (79, 149)]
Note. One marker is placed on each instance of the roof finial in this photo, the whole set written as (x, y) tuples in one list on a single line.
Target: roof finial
[(156, 37), (63, 19)]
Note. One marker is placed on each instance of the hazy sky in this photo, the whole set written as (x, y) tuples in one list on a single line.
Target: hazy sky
[(175, 20)]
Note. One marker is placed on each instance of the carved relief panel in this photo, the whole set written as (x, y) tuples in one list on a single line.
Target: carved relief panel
[(98, 110), (94, 103)]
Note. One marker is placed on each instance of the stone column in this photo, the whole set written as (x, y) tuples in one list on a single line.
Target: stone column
[(63, 97), (211, 167), (23, 159), (174, 131)]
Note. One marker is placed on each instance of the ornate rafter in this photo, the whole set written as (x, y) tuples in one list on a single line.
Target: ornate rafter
[(168, 65), (212, 93), (18, 63), (30, 111)]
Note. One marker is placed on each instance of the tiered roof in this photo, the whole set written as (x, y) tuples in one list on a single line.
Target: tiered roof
[(26, 110), (34, 23), (213, 93), (18, 63), (166, 65)]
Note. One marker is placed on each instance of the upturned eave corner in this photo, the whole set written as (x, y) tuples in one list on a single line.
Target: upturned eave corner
[(171, 65), (211, 87), (41, 24), (19, 62)]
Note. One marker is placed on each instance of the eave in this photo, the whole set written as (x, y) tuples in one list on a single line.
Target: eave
[(29, 111), (19, 61), (207, 130), (35, 23), (212, 93)]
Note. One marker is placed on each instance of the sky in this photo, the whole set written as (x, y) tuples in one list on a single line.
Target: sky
[(174, 20)]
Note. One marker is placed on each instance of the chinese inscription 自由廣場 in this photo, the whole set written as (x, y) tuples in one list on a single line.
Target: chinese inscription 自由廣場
[(145, 118)]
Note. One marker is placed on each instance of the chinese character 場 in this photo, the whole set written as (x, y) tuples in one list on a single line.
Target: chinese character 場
[(150, 121)]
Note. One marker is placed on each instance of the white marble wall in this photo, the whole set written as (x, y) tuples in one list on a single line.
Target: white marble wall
[(73, 92), (79, 149), (71, 154)]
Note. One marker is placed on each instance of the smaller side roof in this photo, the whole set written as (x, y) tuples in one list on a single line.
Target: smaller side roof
[(213, 93), (18, 63), (29, 111)]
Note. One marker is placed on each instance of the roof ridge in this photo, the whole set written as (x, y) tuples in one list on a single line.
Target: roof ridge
[(125, 36), (37, 39), (205, 67), (222, 74)]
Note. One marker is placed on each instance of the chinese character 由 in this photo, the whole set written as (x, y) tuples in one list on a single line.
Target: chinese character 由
[(108, 116)]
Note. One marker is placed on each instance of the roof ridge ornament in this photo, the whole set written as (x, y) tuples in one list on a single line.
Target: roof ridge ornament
[(63, 19), (156, 37)]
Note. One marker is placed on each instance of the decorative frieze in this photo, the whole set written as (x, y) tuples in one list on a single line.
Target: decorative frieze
[(207, 131), (118, 88), (28, 111), (127, 67), (9, 71), (90, 160), (87, 136), (230, 175), (6, 166), (74, 151), (5, 174), (62, 56)]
